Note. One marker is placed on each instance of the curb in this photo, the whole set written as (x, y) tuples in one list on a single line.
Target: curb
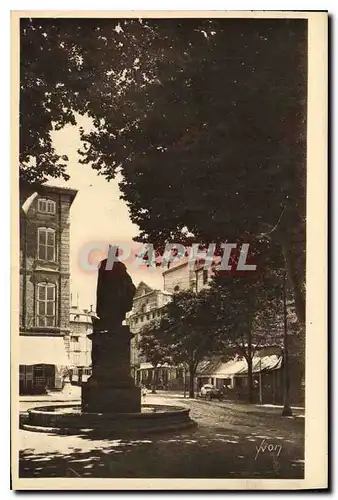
[(251, 410), (50, 400), (107, 433)]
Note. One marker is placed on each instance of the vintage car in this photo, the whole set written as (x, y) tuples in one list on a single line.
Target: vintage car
[(209, 391)]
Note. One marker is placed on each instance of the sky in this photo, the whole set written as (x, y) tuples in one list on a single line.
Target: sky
[(97, 216)]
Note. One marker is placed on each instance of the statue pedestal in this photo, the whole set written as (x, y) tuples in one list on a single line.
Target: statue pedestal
[(110, 389)]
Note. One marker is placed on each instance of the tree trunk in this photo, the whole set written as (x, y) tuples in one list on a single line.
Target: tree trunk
[(250, 380), (191, 380), (294, 256), (153, 381), (287, 412), (249, 361), (297, 286)]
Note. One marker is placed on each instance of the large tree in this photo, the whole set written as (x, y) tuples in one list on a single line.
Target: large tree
[(248, 305), (188, 332), (250, 316), (205, 119), (101, 68), (151, 347)]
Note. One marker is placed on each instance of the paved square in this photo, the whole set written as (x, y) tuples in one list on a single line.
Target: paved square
[(231, 441)]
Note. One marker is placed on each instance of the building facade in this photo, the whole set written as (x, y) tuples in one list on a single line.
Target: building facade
[(78, 345), (44, 285), (181, 276), (267, 364), (148, 304)]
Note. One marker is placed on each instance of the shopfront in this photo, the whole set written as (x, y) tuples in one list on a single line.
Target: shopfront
[(232, 377), (43, 364)]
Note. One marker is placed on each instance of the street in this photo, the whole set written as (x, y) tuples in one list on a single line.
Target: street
[(230, 441)]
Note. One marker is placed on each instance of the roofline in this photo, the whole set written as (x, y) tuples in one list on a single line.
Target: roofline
[(42, 188), (65, 190), (145, 284), (198, 264), (157, 290), (153, 290), (175, 267)]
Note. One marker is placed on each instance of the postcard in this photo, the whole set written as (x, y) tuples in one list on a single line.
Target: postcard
[(169, 250)]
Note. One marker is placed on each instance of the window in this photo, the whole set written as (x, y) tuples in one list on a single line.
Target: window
[(39, 375), (148, 317), (46, 206), (76, 346), (176, 288), (45, 306), (136, 321), (46, 244)]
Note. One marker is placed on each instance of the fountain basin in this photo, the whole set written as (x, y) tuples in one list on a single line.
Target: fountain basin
[(69, 419)]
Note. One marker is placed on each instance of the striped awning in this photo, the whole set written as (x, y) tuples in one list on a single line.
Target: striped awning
[(240, 366), (149, 366)]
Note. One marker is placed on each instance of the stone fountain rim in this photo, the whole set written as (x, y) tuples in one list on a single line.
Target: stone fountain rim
[(171, 411)]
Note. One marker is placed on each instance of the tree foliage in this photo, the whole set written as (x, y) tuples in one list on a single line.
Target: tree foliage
[(70, 67), (248, 307), (150, 344), (188, 331), (152, 348), (206, 120)]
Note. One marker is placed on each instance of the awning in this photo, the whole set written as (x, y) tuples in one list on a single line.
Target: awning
[(240, 366), (41, 350), (149, 366)]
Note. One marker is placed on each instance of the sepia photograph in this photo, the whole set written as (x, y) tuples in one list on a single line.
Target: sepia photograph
[(168, 313)]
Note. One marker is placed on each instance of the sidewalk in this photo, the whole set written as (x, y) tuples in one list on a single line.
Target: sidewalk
[(68, 393), (223, 445)]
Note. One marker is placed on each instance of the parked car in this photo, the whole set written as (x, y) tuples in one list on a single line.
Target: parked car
[(209, 391)]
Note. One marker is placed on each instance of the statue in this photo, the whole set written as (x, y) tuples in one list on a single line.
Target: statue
[(114, 295), (110, 388)]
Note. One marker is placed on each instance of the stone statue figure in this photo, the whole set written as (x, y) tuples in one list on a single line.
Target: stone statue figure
[(114, 295)]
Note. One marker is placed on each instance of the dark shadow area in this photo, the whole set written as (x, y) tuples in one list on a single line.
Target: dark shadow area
[(224, 445), (213, 451)]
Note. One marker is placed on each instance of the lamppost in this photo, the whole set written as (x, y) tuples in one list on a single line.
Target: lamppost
[(286, 412)]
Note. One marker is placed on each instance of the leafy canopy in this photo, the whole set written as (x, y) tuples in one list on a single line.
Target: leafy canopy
[(188, 328), (204, 118), (150, 344)]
